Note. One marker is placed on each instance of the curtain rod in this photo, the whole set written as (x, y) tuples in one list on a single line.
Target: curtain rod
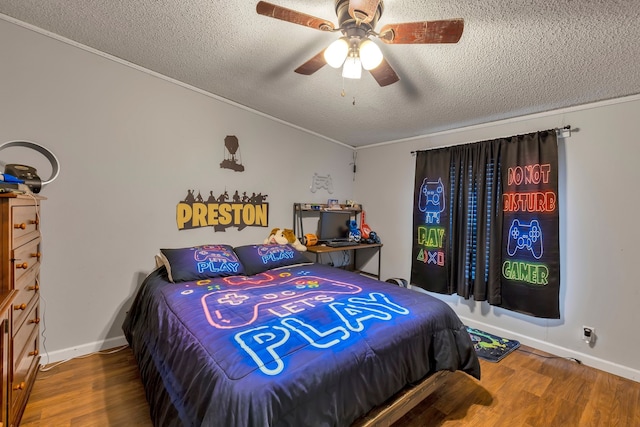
[(558, 130)]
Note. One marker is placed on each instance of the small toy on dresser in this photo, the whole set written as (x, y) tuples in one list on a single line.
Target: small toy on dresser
[(283, 236)]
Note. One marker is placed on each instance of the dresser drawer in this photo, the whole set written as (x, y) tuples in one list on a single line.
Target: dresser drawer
[(25, 224), (24, 345), (28, 287), (25, 258), (24, 373)]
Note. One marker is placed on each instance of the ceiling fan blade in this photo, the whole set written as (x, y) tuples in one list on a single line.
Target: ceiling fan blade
[(363, 10), (445, 31), (384, 74), (289, 15), (312, 65)]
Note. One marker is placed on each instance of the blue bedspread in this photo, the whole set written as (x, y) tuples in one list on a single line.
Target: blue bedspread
[(308, 345)]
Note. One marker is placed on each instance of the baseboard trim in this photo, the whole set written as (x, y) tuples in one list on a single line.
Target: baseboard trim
[(594, 362), (81, 350)]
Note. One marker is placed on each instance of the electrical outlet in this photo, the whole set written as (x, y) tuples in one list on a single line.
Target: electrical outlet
[(588, 334)]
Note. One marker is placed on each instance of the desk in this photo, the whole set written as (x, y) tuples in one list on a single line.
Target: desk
[(377, 247)]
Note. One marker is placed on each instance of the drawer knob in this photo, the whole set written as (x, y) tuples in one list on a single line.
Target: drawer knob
[(22, 226), (20, 306), (20, 386), (36, 255), (35, 287), (34, 221), (36, 320), (23, 265), (33, 353)]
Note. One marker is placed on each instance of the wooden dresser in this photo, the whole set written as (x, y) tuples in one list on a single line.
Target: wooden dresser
[(20, 255)]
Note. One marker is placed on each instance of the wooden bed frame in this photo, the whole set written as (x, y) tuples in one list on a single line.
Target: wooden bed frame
[(401, 403)]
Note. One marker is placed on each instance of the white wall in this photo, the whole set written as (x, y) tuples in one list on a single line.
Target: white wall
[(130, 145), (598, 219)]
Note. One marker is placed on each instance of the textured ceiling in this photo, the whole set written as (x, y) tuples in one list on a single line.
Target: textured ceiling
[(515, 57)]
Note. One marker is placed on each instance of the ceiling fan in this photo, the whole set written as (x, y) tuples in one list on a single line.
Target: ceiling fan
[(354, 50)]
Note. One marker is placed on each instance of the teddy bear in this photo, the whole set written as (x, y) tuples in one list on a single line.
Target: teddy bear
[(283, 236)]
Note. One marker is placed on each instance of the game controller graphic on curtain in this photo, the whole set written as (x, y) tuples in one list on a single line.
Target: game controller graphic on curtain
[(525, 236), (432, 200)]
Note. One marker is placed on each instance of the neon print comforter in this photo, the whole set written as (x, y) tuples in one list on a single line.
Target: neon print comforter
[(303, 345)]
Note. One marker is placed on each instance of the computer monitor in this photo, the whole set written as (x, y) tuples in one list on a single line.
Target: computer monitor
[(333, 226)]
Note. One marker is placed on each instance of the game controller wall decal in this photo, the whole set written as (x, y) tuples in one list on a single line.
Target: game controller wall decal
[(319, 182)]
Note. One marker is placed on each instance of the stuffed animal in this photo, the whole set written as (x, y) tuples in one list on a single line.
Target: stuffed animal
[(354, 233), (282, 236)]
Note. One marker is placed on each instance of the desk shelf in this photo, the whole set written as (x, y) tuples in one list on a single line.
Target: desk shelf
[(377, 247), (302, 209)]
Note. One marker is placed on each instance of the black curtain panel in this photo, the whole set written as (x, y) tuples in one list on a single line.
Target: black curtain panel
[(431, 266), (481, 213), (530, 268)]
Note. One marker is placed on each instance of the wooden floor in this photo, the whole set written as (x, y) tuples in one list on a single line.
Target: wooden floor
[(521, 390)]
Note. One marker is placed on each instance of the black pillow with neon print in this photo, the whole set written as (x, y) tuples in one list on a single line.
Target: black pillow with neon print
[(259, 258), (201, 262)]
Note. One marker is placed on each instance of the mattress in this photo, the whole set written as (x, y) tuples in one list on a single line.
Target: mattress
[(301, 345)]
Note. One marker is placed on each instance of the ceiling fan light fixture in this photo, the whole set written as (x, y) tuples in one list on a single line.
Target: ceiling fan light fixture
[(352, 68), (357, 20), (370, 54), (337, 52)]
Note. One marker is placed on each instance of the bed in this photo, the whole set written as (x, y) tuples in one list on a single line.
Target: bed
[(258, 336)]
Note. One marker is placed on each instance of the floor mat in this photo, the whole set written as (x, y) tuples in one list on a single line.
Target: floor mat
[(491, 347)]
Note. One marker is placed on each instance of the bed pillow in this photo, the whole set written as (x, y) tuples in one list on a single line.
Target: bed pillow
[(259, 258), (201, 262)]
